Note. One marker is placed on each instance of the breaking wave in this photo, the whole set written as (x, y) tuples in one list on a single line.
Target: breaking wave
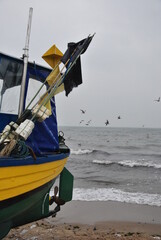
[(127, 163), (112, 194), (89, 151), (81, 151)]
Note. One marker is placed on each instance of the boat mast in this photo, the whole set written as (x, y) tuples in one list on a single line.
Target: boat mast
[(25, 59)]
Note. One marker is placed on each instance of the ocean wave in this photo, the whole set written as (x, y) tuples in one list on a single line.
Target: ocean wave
[(89, 151), (112, 194), (128, 163), (153, 145), (128, 147), (152, 155), (139, 164), (103, 162), (81, 151)]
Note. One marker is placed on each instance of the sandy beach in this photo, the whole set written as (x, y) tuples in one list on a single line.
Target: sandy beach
[(95, 220)]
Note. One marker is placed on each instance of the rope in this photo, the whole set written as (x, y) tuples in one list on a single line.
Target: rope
[(6, 151), (20, 151)]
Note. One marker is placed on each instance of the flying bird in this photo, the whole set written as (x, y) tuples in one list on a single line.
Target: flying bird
[(88, 122), (83, 111), (81, 121), (157, 100), (107, 122)]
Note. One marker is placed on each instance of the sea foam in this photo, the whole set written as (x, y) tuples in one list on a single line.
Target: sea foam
[(81, 151), (112, 194), (129, 163)]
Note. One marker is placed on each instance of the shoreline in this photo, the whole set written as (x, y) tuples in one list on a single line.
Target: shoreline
[(100, 211), (95, 220)]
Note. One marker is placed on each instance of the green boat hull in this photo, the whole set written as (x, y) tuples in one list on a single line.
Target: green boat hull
[(24, 209), (34, 205)]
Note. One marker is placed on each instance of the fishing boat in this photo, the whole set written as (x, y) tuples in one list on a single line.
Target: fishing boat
[(33, 154)]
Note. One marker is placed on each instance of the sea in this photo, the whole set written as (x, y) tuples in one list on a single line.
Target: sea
[(115, 164)]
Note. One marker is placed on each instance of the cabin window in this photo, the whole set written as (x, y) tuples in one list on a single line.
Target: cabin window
[(9, 101), (33, 88)]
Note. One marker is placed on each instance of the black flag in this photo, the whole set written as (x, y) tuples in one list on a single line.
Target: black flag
[(75, 49), (73, 77)]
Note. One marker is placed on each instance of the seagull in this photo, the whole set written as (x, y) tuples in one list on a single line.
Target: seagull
[(81, 121), (157, 100), (107, 122), (83, 111), (88, 122)]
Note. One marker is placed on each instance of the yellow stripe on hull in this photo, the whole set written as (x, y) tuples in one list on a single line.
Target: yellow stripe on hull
[(16, 180)]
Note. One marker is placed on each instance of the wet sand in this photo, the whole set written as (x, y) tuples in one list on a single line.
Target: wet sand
[(95, 220)]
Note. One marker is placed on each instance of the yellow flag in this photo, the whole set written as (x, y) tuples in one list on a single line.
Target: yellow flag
[(59, 89), (53, 76)]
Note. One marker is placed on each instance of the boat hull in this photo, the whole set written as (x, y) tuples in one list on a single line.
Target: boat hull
[(23, 175), (25, 208), (24, 189)]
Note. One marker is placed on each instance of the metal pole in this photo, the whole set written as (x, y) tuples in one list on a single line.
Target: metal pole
[(1, 96), (25, 58)]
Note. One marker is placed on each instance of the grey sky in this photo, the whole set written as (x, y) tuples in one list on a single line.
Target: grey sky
[(121, 68)]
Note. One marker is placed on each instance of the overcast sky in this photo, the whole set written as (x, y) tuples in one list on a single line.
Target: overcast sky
[(121, 68)]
